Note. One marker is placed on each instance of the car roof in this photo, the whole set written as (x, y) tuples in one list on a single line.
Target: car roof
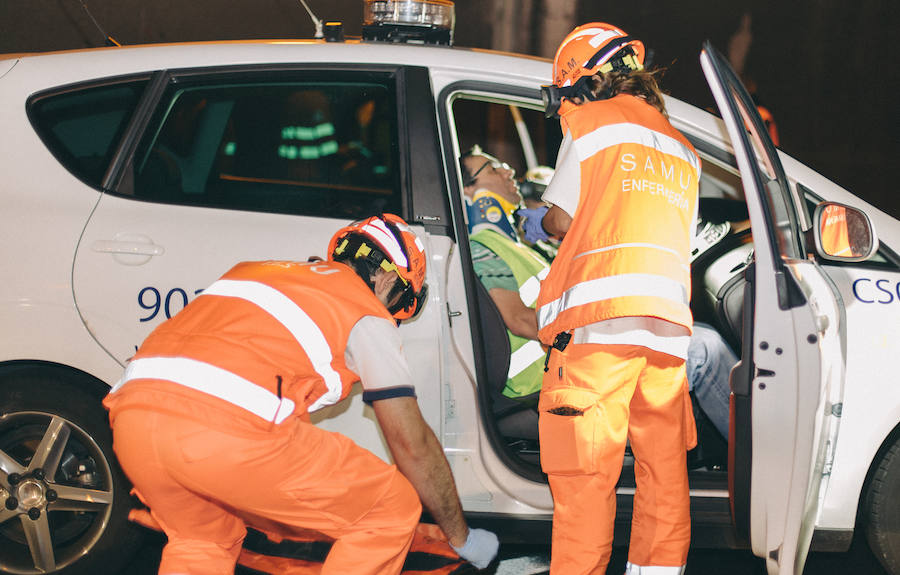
[(129, 59)]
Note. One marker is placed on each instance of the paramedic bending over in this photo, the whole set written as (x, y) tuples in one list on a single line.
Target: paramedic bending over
[(615, 308), (211, 418)]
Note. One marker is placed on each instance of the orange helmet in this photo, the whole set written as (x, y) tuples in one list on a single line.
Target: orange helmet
[(592, 48), (386, 242)]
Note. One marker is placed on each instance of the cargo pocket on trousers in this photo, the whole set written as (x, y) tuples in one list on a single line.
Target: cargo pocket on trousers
[(568, 432)]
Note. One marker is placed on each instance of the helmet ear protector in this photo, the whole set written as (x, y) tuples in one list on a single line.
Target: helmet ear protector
[(624, 59), (552, 95)]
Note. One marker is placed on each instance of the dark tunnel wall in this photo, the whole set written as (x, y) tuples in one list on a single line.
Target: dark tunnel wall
[(826, 69)]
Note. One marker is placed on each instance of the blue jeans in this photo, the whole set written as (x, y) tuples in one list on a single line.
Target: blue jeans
[(709, 364)]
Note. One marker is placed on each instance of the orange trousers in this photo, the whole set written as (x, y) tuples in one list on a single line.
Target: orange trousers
[(203, 484), (594, 398)]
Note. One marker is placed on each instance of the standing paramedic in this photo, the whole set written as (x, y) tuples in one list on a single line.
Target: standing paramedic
[(211, 418), (615, 308)]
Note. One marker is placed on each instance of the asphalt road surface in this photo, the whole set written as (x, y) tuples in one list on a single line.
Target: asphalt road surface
[(534, 560)]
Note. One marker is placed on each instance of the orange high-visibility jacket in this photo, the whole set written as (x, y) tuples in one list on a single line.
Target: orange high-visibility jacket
[(627, 251), (265, 342)]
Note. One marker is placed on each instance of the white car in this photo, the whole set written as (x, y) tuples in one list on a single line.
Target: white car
[(133, 177)]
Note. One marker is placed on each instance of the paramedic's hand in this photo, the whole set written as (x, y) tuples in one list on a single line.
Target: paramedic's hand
[(531, 224), (480, 548)]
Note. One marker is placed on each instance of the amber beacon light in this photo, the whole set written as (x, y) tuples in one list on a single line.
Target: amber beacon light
[(409, 21)]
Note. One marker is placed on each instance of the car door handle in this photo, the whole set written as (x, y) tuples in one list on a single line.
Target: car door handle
[(131, 248)]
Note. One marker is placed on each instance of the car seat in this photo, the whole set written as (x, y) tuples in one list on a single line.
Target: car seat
[(516, 418)]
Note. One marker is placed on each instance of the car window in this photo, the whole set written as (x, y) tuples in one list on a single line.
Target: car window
[(514, 131), (324, 148), (83, 126), (771, 177), (517, 134), (720, 180)]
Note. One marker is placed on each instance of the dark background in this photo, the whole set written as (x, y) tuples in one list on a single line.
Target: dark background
[(827, 69)]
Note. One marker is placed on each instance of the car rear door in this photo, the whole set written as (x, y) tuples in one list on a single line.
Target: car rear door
[(791, 354), (258, 163)]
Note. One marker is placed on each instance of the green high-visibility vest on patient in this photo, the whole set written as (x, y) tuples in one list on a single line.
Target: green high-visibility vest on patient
[(526, 363)]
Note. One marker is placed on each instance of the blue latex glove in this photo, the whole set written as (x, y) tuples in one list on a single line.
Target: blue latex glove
[(480, 548), (532, 227)]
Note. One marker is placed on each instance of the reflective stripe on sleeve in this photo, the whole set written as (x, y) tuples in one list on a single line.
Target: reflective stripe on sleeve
[(213, 381), (523, 357), (627, 133), (601, 289), (296, 321), (529, 290)]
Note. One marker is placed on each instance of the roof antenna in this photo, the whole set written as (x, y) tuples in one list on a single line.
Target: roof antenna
[(110, 41), (315, 20)]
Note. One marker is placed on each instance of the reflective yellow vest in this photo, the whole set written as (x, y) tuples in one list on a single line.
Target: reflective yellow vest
[(526, 362)]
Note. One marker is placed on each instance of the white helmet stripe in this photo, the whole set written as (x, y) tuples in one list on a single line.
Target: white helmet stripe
[(405, 228), (386, 241), (600, 36)]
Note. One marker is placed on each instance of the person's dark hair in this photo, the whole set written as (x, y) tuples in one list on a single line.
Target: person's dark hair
[(467, 177), (640, 83), (365, 267)]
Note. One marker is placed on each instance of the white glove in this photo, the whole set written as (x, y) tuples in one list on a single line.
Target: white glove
[(480, 548)]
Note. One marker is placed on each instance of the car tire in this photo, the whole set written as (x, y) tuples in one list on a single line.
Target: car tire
[(882, 512), (82, 499)]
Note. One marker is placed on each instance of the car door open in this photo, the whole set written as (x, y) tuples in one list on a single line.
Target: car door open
[(788, 358)]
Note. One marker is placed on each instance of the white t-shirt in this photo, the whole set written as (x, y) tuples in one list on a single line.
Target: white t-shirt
[(564, 191), (375, 353), (564, 188)]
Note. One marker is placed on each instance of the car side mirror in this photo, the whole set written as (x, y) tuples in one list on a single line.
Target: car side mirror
[(843, 233)]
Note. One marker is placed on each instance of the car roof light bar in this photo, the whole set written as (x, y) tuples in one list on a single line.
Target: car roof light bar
[(409, 21)]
